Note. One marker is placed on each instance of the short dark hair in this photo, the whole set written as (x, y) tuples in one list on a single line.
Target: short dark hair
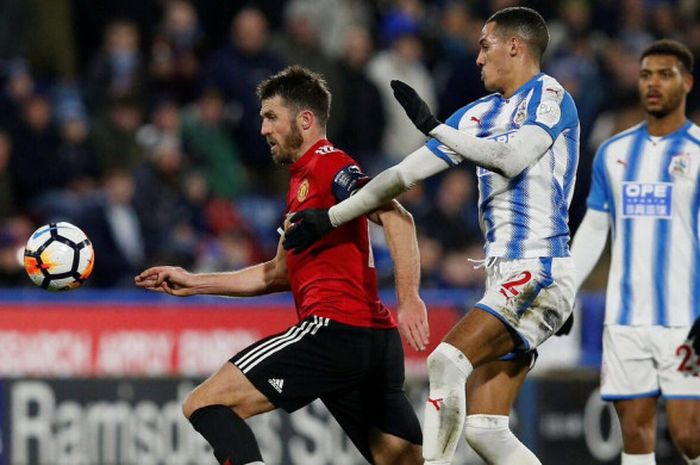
[(671, 47), (526, 23), (301, 89)]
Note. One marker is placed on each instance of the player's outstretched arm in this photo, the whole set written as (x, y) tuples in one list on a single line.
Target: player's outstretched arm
[(400, 232), (311, 225), (263, 278), (525, 146), (589, 242)]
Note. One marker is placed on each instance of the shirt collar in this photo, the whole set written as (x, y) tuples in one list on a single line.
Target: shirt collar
[(308, 155)]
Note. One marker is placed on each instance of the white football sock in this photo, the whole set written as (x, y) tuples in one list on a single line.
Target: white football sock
[(492, 439), (638, 459), (448, 369)]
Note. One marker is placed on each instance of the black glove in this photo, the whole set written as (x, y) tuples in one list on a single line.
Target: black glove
[(416, 109), (566, 327), (307, 226), (694, 337)]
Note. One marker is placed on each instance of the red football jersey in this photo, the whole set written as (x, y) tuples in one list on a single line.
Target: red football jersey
[(335, 277)]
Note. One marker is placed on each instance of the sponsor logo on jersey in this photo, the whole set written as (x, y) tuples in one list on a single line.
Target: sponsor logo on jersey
[(436, 402), (680, 165), (556, 92), (303, 190), (650, 199), (548, 113)]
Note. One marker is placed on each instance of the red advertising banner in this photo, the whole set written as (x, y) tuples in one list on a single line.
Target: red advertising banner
[(148, 339)]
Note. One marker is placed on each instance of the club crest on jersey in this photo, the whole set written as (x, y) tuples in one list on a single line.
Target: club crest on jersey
[(303, 190), (650, 199), (520, 114), (680, 165)]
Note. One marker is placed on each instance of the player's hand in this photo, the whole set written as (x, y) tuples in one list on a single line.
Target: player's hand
[(413, 323), (168, 279), (305, 228), (414, 106), (566, 327)]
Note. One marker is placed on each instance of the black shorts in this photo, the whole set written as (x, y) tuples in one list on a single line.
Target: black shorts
[(358, 373)]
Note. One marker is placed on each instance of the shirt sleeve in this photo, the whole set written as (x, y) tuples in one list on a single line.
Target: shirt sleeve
[(441, 150), (599, 196), (552, 109)]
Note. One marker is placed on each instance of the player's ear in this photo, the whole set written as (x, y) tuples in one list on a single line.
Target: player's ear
[(514, 43), (687, 82), (306, 119)]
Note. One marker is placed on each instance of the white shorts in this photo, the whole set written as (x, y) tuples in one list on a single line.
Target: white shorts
[(641, 361), (532, 296)]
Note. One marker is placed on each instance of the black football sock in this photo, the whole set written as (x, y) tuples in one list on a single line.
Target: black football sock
[(230, 436)]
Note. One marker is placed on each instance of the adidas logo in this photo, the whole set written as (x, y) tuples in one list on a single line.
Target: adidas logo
[(276, 383)]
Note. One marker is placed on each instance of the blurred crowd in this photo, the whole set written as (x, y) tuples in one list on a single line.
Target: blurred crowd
[(138, 121)]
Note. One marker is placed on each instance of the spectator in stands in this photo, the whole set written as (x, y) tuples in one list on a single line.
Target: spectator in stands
[(163, 208), (34, 146), (300, 44), (118, 70), (18, 86), (453, 221), (113, 226), (212, 148), (362, 125), (177, 50), (236, 68), (163, 128), (402, 60), (457, 78), (76, 152), (114, 135)]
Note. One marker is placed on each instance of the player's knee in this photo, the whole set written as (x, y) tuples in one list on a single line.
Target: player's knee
[(447, 365), (191, 404)]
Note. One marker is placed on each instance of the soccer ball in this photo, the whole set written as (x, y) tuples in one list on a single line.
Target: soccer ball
[(58, 257)]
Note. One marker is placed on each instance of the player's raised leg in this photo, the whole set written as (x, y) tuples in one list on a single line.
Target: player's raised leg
[(491, 392), (217, 409), (478, 338)]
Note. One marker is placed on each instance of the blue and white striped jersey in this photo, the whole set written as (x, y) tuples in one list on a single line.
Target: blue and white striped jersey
[(649, 187), (526, 216)]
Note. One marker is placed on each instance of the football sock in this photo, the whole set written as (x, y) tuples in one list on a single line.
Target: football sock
[(230, 436), (638, 459), (492, 439), (448, 369), (695, 461)]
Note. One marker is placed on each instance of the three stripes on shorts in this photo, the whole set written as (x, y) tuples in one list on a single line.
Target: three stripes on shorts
[(277, 343)]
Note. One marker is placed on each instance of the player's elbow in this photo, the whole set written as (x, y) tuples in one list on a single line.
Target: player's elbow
[(510, 172), (396, 180), (509, 163)]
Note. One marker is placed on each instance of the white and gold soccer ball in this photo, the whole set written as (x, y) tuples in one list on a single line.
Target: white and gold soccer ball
[(58, 257)]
